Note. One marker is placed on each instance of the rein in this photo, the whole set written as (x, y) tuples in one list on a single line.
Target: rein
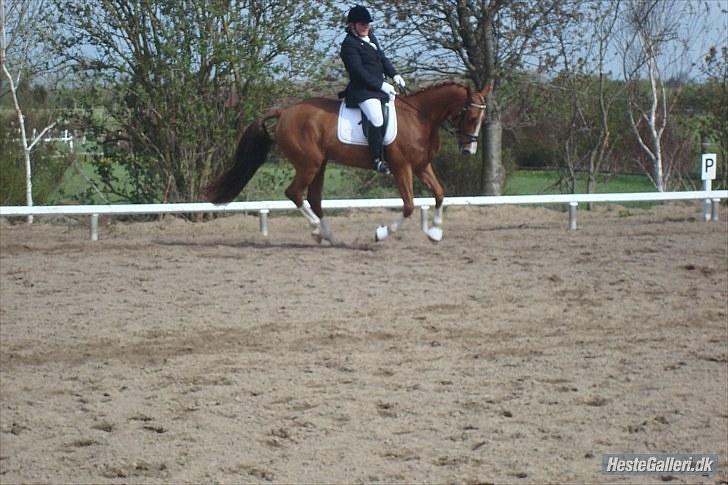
[(415, 108), (450, 129)]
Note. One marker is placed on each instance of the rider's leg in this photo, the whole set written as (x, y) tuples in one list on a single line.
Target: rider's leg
[(372, 109)]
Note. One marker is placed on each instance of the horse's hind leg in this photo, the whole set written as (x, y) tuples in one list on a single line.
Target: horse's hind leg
[(302, 179), (322, 231), (428, 177), (311, 177)]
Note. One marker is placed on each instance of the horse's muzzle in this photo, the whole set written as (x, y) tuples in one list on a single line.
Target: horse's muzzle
[(469, 148)]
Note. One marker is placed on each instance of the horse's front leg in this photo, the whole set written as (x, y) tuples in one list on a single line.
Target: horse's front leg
[(403, 178), (427, 176)]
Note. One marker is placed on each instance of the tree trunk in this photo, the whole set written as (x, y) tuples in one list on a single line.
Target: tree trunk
[(492, 170), (28, 182), (493, 173), (3, 42)]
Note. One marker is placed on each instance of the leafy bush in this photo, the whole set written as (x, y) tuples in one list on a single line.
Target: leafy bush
[(459, 174)]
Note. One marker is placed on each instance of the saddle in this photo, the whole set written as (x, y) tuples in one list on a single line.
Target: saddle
[(351, 120)]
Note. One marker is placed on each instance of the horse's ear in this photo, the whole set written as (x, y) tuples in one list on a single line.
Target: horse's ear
[(487, 89)]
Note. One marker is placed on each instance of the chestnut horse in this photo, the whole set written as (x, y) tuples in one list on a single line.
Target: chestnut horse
[(305, 133)]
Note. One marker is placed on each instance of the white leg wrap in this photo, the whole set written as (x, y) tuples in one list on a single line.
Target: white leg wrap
[(437, 220), (383, 232), (435, 234), (307, 212), (326, 231), (394, 227), (322, 232)]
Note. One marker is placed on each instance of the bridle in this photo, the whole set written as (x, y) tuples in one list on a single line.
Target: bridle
[(460, 115), (470, 137)]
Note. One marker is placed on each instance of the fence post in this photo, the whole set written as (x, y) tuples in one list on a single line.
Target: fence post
[(714, 210), (707, 186), (264, 222), (423, 217), (94, 230), (707, 173), (572, 215)]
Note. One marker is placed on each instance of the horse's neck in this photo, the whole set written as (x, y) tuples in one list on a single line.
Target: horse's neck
[(441, 102)]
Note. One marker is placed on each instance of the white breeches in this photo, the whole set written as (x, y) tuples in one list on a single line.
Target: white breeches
[(372, 108)]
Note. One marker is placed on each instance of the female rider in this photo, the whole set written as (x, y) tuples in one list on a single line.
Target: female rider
[(367, 65)]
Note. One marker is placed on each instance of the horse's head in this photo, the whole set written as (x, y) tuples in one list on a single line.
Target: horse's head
[(469, 120)]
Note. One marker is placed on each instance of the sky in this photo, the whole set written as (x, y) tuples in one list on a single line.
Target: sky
[(713, 32)]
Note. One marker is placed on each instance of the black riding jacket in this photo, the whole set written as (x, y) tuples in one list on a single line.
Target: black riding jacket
[(366, 67)]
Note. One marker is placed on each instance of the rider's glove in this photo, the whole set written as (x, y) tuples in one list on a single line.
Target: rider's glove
[(388, 89), (400, 82)]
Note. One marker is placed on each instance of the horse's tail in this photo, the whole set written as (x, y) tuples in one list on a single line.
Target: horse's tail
[(253, 148)]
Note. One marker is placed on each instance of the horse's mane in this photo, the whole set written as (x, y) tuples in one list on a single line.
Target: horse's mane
[(438, 85)]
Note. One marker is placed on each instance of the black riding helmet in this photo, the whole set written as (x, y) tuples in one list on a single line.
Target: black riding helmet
[(358, 14)]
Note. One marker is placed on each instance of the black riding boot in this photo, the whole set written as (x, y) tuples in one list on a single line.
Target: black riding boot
[(375, 138)]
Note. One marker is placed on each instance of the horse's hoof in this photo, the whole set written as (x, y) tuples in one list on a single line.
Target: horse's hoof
[(381, 233), (316, 235), (435, 234)]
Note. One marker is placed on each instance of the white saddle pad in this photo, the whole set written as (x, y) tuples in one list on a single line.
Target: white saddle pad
[(349, 128)]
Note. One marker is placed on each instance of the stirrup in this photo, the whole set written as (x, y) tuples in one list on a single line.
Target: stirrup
[(381, 166)]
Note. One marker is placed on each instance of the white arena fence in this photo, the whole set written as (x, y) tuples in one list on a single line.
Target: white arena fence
[(710, 211)]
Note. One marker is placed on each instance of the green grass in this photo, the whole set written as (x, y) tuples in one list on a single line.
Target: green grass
[(530, 182), (80, 178)]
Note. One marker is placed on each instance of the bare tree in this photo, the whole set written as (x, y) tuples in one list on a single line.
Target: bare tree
[(585, 87), (25, 18), (657, 38), (604, 20)]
